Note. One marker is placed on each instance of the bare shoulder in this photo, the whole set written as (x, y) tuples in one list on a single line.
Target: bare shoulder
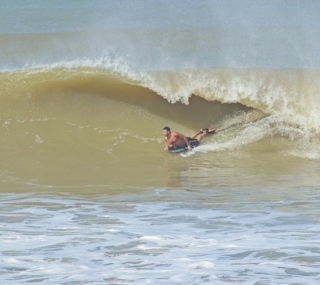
[(176, 134)]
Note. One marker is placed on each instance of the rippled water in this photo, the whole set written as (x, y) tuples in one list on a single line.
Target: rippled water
[(162, 236)]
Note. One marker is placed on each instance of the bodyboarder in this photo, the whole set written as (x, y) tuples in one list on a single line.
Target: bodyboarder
[(177, 140)]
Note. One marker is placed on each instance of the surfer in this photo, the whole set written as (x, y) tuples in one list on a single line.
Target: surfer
[(176, 140)]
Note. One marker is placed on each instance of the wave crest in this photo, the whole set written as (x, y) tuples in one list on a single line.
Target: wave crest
[(289, 94)]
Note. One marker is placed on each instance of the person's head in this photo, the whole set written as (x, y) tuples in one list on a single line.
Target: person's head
[(166, 131)]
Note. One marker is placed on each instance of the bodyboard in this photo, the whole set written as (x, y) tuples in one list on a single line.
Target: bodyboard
[(193, 143)]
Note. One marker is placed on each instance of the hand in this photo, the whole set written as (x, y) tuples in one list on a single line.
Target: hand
[(189, 147), (166, 148)]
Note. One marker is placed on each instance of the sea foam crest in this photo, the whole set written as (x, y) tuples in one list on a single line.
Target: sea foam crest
[(289, 94), (239, 131)]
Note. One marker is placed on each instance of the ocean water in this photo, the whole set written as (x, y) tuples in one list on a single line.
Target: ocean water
[(88, 196)]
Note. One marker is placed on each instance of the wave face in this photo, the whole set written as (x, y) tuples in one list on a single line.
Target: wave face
[(290, 95), (92, 85), (96, 118)]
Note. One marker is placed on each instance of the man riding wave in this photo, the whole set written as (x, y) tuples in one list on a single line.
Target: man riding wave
[(177, 140)]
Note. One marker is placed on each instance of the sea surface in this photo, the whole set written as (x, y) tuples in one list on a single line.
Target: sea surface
[(87, 193)]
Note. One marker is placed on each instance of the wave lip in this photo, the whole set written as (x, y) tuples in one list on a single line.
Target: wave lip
[(289, 94)]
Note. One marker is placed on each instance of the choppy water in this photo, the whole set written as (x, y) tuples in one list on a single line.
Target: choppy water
[(87, 194), (162, 236)]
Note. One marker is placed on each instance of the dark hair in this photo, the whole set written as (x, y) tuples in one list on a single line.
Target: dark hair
[(167, 128)]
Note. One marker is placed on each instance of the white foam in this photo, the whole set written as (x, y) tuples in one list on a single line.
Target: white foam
[(152, 238), (39, 139), (304, 143), (177, 240), (9, 260), (202, 264)]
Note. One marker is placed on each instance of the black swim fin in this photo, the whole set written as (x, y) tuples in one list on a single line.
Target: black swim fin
[(206, 130)]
